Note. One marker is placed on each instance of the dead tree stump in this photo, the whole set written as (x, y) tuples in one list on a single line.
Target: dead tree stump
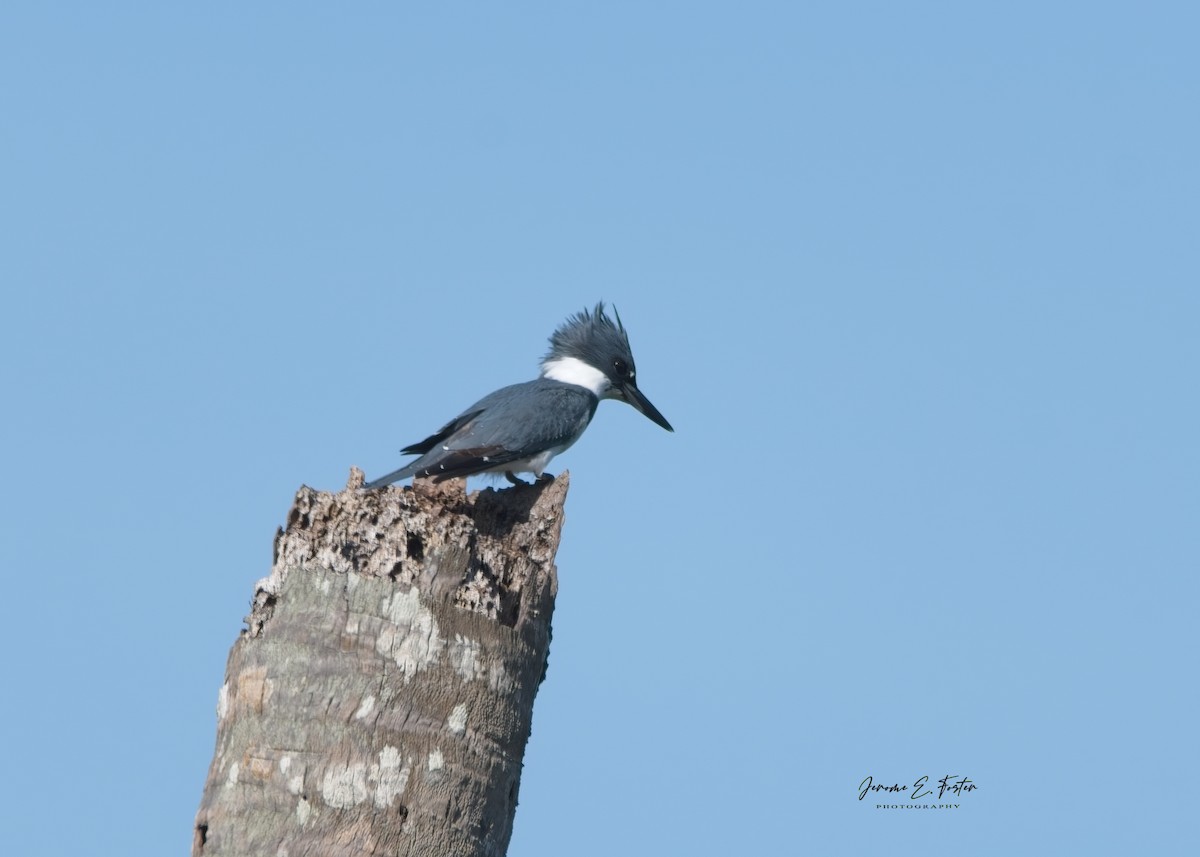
[(381, 696)]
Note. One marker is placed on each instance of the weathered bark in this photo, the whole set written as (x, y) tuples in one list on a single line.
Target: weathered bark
[(380, 698)]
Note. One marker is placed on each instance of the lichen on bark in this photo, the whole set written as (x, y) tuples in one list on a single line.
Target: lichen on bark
[(380, 698)]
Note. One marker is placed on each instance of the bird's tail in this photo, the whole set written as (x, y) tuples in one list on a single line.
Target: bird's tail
[(394, 476)]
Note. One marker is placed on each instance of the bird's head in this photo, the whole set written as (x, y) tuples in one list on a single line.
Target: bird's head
[(592, 350)]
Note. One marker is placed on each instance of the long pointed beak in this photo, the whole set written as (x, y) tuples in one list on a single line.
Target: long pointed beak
[(634, 397)]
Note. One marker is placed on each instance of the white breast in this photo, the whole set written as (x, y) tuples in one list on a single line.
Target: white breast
[(535, 464)]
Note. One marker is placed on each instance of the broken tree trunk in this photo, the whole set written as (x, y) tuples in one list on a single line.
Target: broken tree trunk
[(380, 698)]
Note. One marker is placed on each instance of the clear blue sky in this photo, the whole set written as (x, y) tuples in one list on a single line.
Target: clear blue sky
[(918, 285)]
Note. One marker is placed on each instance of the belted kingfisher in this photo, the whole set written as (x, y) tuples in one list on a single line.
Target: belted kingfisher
[(518, 429)]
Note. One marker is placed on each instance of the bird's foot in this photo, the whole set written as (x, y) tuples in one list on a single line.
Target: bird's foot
[(540, 480)]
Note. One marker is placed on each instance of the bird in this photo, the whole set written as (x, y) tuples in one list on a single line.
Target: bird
[(520, 428)]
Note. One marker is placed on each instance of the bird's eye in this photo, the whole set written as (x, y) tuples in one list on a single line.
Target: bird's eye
[(621, 367)]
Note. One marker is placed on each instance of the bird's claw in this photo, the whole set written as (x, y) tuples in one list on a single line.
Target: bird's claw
[(540, 480)]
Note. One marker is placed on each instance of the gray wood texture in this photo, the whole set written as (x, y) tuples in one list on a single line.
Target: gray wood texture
[(380, 698)]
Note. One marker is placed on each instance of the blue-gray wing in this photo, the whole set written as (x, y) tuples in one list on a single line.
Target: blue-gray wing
[(509, 425)]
